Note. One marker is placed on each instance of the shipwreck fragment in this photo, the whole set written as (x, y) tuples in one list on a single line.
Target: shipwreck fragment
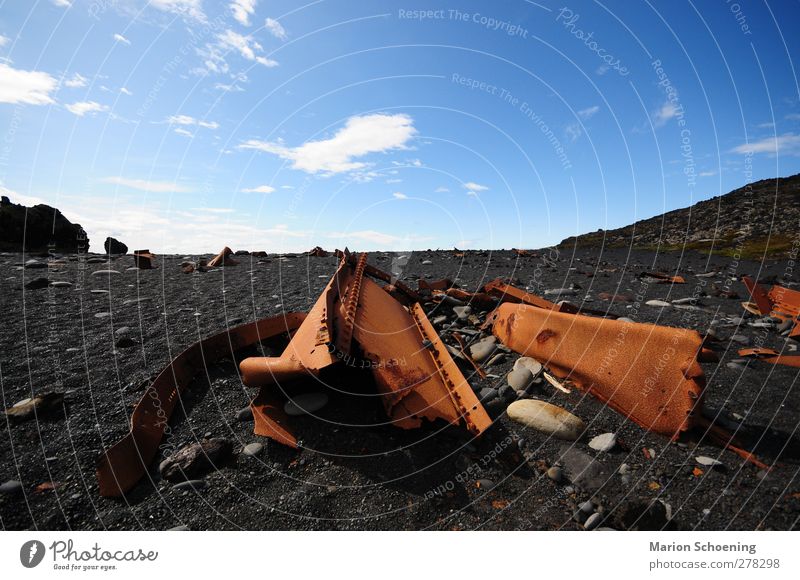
[(779, 302), (223, 259)]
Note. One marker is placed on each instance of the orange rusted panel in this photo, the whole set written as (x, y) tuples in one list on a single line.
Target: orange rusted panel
[(771, 356), (143, 259), (224, 258), (508, 293), (124, 464), (648, 373), (779, 302), (317, 252)]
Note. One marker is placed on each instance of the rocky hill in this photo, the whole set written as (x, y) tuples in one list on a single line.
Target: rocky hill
[(759, 219), (38, 229)]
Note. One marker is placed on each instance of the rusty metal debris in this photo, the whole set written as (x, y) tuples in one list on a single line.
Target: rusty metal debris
[(778, 302), (223, 259), (650, 375), (143, 259), (771, 356), (125, 463), (317, 252), (354, 322), (662, 278)]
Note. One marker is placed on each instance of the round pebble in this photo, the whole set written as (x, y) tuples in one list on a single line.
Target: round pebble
[(252, 449), (555, 473), (592, 521), (546, 418), (11, 487), (658, 303), (526, 362), (520, 379), (605, 442)]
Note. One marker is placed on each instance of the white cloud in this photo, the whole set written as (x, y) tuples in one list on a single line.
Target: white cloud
[(275, 28), (573, 131), (242, 10), (707, 173), (390, 181), (588, 112), (233, 87), (191, 9), (22, 86), (83, 107), (122, 39), (147, 185), (441, 189), (793, 117), (399, 195), (474, 188), (360, 136), (667, 111), (3, 40), (76, 81), (184, 132), (787, 144), (62, 3), (246, 46), (259, 189), (125, 91), (186, 120)]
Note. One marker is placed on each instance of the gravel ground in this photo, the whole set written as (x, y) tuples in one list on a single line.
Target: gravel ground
[(354, 471)]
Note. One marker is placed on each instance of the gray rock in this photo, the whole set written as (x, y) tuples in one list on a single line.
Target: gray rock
[(305, 404), (426, 262), (741, 339), (106, 273), (121, 331), (60, 284), (196, 459), (487, 394), (181, 528), (506, 393), (520, 379), (482, 349), (439, 320), (11, 487), (708, 461), (252, 449), (624, 319), (462, 312), (555, 473), (35, 265), (37, 284), (586, 507), (546, 418), (605, 442), (582, 469), (561, 292), (485, 484), (496, 359), (658, 303), (245, 414), (526, 362), (592, 521), (195, 484)]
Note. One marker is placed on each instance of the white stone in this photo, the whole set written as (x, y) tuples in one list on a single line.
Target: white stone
[(546, 418)]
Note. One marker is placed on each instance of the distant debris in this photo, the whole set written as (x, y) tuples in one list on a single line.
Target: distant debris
[(317, 252), (114, 246)]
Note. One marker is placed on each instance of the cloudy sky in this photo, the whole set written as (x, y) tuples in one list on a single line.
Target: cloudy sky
[(186, 125)]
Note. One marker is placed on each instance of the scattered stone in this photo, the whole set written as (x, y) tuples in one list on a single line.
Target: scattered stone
[(426, 262), (245, 414), (684, 301), (561, 292), (496, 359), (520, 379), (252, 449), (487, 394), (38, 405), (735, 366), (555, 473), (658, 303), (35, 265), (106, 273), (624, 468), (507, 394), (438, 320), (582, 469), (592, 521), (462, 312), (37, 284), (125, 342), (11, 487), (483, 349), (485, 484), (305, 404), (708, 461), (586, 507), (741, 339), (61, 284), (546, 418), (196, 459), (534, 366), (102, 315), (604, 443), (195, 484), (122, 330), (181, 528), (624, 319)]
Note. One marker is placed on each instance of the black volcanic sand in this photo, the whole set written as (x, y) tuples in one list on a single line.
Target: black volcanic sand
[(355, 471)]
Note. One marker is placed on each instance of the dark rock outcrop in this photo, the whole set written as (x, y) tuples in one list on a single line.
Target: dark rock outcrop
[(759, 219), (114, 246), (38, 229)]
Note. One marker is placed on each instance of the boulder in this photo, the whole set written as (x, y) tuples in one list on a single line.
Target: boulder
[(114, 246), (39, 228)]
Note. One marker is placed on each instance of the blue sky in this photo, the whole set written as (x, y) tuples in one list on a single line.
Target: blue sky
[(185, 125)]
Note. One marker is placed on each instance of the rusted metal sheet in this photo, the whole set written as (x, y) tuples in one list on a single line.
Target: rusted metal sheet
[(317, 252), (771, 356), (648, 373), (126, 462), (224, 258), (356, 318), (508, 293), (779, 302), (143, 259)]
